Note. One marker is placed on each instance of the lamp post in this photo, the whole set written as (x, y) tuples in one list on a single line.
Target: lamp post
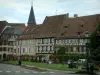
[(87, 51), (19, 59)]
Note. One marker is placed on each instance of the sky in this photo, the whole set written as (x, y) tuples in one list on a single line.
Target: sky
[(17, 11)]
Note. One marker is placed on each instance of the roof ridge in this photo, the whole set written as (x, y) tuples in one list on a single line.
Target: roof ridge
[(16, 23), (57, 15), (88, 15)]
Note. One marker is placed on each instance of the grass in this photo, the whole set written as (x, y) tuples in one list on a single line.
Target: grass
[(44, 65), (12, 62)]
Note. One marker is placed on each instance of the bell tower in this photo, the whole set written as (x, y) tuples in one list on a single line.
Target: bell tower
[(31, 19)]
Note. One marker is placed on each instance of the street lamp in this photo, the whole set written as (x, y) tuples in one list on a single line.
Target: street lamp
[(19, 59), (87, 50)]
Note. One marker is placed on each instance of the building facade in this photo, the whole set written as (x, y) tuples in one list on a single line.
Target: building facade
[(61, 30), (9, 34), (58, 30)]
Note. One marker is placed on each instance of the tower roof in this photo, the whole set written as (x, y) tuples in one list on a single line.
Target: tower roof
[(31, 19)]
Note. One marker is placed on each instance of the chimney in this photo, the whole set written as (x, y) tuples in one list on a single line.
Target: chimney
[(75, 15), (67, 15)]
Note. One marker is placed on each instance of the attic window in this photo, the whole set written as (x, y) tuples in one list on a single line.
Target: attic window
[(33, 29), (27, 30), (65, 26), (81, 25)]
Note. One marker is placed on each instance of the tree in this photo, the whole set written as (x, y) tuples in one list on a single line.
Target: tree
[(95, 44), (60, 53)]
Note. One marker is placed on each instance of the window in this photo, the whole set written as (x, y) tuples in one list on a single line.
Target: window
[(81, 25), (65, 26), (14, 50), (66, 41), (56, 41), (38, 48), (42, 41), (30, 41), (23, 50), (73, 40), (46, 48), (81, 40), (33, 29), (66, 49), (84, 48), (42, 48), (27, 30), (78, 49), (50, 47), (60, 41), (18, 42), (71, 49), (29, 50), (18, 50), (69, 41), (50, 40)]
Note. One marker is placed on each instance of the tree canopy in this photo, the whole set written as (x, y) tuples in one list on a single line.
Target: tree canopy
[(95, 44)]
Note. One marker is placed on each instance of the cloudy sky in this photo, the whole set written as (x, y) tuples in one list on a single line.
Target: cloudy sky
[(18, 10)]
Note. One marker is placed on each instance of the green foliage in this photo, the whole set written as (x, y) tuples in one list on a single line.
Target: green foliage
[(61, 51), (95, 54), (75, 57), (95, 44), (63, 56), (93, 40)]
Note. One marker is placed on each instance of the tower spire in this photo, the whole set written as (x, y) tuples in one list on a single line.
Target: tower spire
[(32, 3), (31, 19)]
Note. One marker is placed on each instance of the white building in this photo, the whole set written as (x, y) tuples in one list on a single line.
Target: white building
[(58, 30)]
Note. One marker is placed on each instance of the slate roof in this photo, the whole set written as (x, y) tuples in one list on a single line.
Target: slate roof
[(19, 27), (2, 25), (14, 29), (17, 24), (31, 19)]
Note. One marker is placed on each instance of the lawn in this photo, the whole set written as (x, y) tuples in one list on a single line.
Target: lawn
[(44, 65)]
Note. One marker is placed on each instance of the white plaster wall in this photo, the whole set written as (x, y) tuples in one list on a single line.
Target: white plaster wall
[(46, 43), (71, 41)]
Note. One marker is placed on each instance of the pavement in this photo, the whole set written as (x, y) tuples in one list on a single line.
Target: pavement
[(6, 69), (69, 72)]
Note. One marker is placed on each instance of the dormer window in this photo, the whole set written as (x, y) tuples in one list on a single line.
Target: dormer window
[(86, 34), (65, 26), (81, 25), (33, 29), (27, 30)]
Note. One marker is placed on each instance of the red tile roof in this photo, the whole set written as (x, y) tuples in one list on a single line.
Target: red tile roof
[(29, 32), (50, 27), (62, 26)]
